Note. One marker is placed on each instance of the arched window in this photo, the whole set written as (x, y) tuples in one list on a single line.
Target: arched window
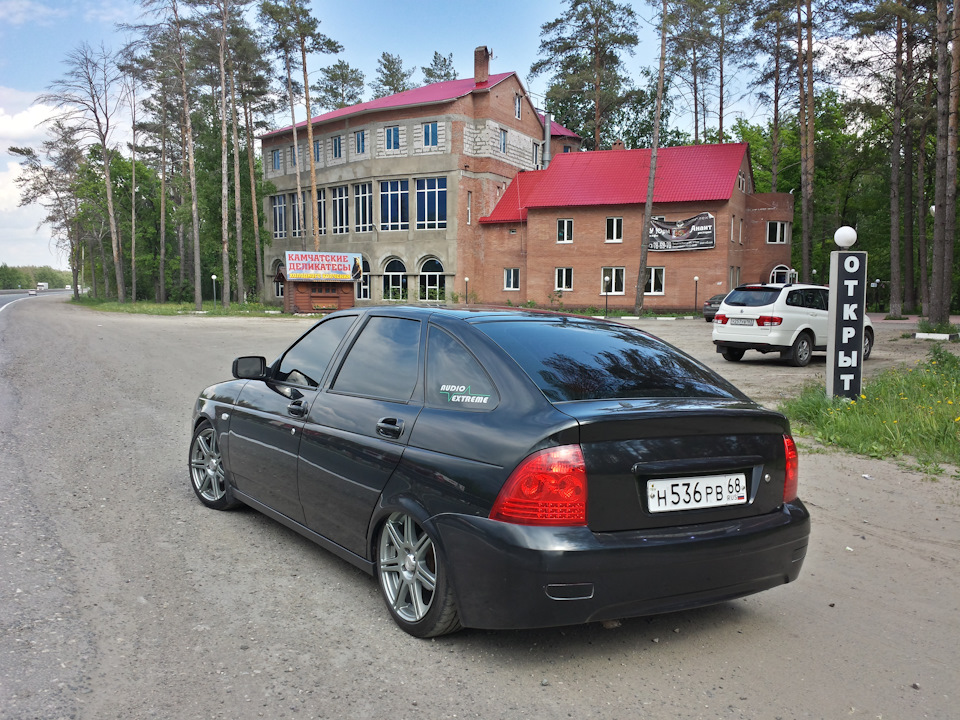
[(363, 285), (780, 274), (432, 280), (395, 281)]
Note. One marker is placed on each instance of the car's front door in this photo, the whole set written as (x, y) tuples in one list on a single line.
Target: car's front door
[(357, 430)]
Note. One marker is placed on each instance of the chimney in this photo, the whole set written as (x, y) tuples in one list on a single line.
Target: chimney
[(547, 137), (481, 64)]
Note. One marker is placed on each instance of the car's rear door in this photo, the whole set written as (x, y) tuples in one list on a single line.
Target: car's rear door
[(357, 430)]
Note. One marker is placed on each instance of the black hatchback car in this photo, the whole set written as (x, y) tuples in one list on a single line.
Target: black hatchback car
[(508, 469)]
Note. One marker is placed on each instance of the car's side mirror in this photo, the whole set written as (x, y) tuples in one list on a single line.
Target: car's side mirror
[(250, 368)]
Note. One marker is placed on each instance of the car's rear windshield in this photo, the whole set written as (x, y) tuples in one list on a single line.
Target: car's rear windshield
[(571, 360), (752, 297)]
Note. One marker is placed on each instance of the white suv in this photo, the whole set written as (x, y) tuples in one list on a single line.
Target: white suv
[(789, 318)]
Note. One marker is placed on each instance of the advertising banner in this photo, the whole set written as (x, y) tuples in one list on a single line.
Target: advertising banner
[(696, 233), (324, 267)]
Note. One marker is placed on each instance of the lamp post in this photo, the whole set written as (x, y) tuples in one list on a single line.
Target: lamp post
[(466, 282), (606, 294), (696, 285), (214, 278)]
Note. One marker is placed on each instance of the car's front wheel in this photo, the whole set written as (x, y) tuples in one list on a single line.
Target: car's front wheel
[(802, 351), (867, 343), (207, 475), (732, 354), (413, 580)]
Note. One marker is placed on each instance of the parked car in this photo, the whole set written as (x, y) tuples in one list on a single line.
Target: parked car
[(791, 319), (31, 291), (711, 306), (507, 468)]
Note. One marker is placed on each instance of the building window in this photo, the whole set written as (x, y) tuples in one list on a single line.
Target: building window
[(340, 198), (611, 280), (321, 211), (394, 205), (360, 141), (293, 157), (296, 214), (275, 155), (469, 207), (780, 274), (654, 282), (363, 207), (362, 286), (503, 141), (564, 279), (778, 232), (316, 151), (741, 231), (278, 282), (567, 148), (517, 104), (430, 134), (511, 278), (536, 154), (432, 281), (431, 203), (279, 203), (565, 231), (742, 181), (395, 281), (615, 229), (393, 137), (337, 147)]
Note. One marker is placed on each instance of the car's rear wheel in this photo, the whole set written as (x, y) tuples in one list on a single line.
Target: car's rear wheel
[(732, 354), (413, 580), (802, 351), (867, 343), (207, 475)]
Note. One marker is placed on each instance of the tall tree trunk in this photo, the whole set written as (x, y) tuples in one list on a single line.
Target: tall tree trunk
[(896, 296), (315, 213), (298, 206), (939, 311), (133, 195), (950, 233), (248, 122), (114, 233), (237, 204), (163, 199), (909, 109), (224, 163), (922, 250), (805, 68)]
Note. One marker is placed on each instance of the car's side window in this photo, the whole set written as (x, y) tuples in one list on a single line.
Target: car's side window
[(305, 362), (455, 380), (794, 299), (824, 299), (384, 361)]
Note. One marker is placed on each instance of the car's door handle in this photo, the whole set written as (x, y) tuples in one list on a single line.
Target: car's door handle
[(390, 427), (297, 408)]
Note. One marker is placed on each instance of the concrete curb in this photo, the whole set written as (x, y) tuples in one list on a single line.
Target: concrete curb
[(936, 336)]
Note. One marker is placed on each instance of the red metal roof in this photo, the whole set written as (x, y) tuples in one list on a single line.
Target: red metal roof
[(688, 173), (512, 207), (427, 95), (557, 130)]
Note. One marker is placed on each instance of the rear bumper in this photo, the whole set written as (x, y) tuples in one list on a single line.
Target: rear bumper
[(762, 347), (509, 576)]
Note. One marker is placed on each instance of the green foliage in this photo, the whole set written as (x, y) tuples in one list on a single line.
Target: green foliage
[(339, 86), (440, 69), (26, 277), (391, 77), (908, 411), (946, 328)]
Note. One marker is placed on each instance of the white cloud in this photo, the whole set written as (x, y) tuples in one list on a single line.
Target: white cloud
[(22, 12)]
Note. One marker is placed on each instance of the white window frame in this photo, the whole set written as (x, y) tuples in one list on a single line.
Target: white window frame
[(430, 188), (517, 106), (431, 281), (387, 222), (614, 225), (360, 142), (362, 288), (656, 277), (511, 279), (363, 207), (783, 232), (617, 277), (563, 279), (340, 201), (469, 206), (395, 280), (564, 231), (275, 155), (431, 135), (392, 137), (316, 151), (295, 229), (503, 141), (321, 211), (336, 149), (278, 205)]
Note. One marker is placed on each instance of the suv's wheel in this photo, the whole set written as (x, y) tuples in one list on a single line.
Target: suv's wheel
[(802, 351), (867, 342), (731, 354), (207, 474)]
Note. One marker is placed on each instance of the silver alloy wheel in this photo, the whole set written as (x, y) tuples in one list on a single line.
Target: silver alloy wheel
[(206, 466), (407, 567)]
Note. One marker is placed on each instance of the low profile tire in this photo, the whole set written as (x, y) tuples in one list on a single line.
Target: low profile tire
[(867, 343), (207, 475), (732, 354), (802, 351), (413, 580)]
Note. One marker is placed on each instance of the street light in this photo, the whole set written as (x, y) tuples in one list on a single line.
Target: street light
[(606, 294), (214, 278), (696, 283), (466, 282)]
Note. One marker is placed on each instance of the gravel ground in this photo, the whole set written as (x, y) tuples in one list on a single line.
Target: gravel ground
[(122, 597)]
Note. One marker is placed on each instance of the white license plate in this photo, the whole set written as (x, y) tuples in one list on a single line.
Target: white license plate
[(741, 321), (695, 493)]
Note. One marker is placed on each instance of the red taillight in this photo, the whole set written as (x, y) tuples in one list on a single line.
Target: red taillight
[(791, 473), (548, 488), (769, 320), (720, 319)]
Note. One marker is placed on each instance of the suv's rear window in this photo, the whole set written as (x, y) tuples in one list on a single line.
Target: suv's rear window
[(752, 297), (570, 360)]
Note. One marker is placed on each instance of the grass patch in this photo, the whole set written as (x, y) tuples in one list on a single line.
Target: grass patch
[(925, 326), (911, 412), (171, 308)]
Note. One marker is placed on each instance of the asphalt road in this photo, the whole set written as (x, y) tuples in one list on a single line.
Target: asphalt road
[(122, 597)]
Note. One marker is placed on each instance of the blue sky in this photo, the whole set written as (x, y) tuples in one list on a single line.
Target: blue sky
[(36, 35)]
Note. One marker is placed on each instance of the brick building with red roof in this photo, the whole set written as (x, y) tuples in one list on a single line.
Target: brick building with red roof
[(571, 234), (402, 181)]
